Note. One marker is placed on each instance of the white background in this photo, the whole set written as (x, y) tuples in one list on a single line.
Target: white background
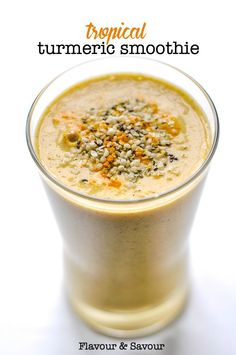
[(34, 316)]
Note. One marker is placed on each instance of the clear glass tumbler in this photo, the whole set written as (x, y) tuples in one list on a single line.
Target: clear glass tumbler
[(126, 262)]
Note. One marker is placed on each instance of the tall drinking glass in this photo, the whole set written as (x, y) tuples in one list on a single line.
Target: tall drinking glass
[(126, 262)]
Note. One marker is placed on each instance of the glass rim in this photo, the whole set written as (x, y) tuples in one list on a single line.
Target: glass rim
[(79, 194)]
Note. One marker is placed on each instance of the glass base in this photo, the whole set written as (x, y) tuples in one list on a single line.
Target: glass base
[(132, 323)]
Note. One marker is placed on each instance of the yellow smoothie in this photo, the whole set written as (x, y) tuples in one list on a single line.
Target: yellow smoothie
[(130, 138)]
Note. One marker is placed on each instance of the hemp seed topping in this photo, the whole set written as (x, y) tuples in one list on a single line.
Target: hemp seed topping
[(131, 139)]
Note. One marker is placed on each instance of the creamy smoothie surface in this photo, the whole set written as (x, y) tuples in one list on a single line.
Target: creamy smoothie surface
[(123, 137)]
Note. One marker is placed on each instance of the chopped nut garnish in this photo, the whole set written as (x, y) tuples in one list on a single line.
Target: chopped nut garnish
[(131, 138)]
